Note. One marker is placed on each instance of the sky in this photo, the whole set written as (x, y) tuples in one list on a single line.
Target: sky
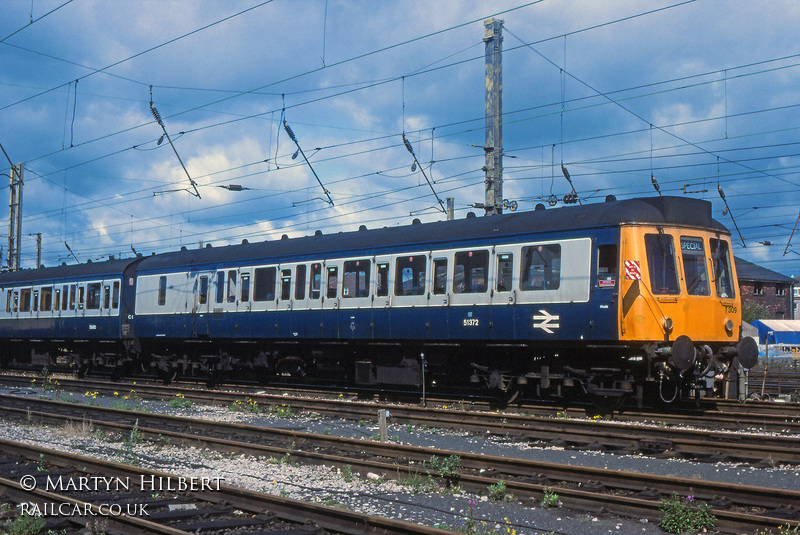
[(698, 95)]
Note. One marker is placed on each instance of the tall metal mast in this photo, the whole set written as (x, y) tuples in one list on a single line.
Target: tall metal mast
[(494, 116), (15, 216)]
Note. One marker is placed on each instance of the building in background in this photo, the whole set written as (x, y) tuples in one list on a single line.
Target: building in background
[(796, 302), (766, 291)]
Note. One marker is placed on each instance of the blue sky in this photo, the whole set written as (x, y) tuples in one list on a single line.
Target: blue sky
[(700, 95)]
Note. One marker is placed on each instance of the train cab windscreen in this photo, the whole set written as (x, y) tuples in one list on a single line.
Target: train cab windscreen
[(661, 262), (722, 268)]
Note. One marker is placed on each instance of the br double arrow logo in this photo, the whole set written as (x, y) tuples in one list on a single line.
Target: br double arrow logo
[(546, 321)]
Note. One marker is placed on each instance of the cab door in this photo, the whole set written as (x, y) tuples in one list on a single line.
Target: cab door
[(606, 287)]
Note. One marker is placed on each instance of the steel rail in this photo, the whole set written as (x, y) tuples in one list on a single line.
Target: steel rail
[(598, 434), (518, 474), (330, 518), (772, 416), (121, 523)]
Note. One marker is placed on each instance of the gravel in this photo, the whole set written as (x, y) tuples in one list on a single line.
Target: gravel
[(372, 494)]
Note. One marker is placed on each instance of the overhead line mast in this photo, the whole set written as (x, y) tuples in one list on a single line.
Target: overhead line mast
[(494, 116)]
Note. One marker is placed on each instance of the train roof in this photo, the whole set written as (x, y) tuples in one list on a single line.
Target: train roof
[(653, 210), (679, 211), (89, 270)]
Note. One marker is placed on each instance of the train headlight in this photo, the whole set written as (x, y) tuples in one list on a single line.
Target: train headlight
[(668, 324), (729, 326)]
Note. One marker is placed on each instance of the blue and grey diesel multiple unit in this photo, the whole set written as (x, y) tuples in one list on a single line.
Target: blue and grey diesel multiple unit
[(571, 301)]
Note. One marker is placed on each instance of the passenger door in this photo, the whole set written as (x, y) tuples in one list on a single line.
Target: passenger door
[(355, 314), (469, 310), (200, 310), (439, 296), (503, 294), (409, 296), (381, 325)]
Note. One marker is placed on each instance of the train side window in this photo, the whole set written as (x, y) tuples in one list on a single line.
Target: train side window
[(106, 297), (333, 281), (36, 300), (9, 300), (470, 270), (410, 275), (540, 267), (286, 284), (244, 295), (73, 293), (300, 282), (16, 301), (264, 284), (115, 294), (162, 290), (694, 266), (220, 297), (316, 281), (25, 300), (439, 276), (382, 289), (721, 256), (231, 286), (68, 303), (607, 259), (355, 278), (93, 294), (47, 299), (660, 250), (202, 298), (57, 299), (505, 270), (81, 296)]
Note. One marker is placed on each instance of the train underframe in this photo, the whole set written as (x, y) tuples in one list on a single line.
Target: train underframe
[(606, 375)]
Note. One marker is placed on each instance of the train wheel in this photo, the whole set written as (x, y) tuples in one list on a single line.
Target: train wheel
[(607, 404), (120, 371), (214, 378), (507, 394), (168, 375)]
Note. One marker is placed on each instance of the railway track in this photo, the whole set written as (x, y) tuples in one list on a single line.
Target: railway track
[(737, 507), (715, 413), (659, 437), (76, 492)]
